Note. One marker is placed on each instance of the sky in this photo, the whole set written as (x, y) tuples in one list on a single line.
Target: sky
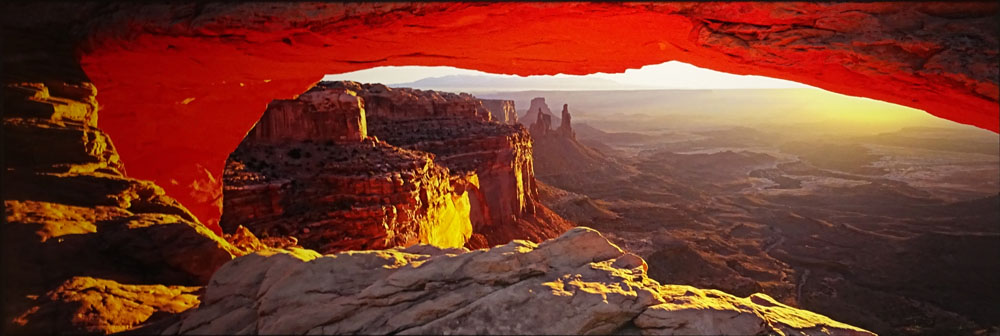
[(669, 75)]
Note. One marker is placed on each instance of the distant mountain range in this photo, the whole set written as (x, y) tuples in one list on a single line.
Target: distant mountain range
[(494, 83)]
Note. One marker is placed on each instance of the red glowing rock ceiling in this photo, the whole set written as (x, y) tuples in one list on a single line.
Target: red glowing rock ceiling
[(180, 85)]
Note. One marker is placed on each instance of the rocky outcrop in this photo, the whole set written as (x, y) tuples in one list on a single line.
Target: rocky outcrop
[(317, 115), (85, 305), (70, 211), (382, 101), (578, 283), (561, 160), (542, 126), (334, 197), (538, 106), (502, 110), (565, 128), (182, 83), (493, 159)]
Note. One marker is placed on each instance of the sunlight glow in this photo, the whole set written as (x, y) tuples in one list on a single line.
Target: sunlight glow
[(670, 75)]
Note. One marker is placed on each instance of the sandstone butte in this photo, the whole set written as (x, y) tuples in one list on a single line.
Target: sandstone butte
[(182, 83), (435, 171)]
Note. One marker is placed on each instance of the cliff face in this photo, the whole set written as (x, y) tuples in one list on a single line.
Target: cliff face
[(382, 101), (88, 250), (335, 196), (578, 283), (317, 115), (182, 83), (71, 217), (496, 156), (502, 110)]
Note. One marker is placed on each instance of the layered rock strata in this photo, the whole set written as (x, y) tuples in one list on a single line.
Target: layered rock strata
[(334, 197), (495, 158), (503, 111), (382, 101), (578, 283), (200, 72), (69, 211), (317, 115)]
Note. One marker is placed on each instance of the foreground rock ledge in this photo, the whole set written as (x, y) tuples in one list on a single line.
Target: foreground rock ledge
[(578, 283)]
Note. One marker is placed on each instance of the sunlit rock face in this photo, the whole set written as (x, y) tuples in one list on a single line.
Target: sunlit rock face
[(494, 159), (502, 110), (70, 211), (308, 182), (181, 83), (86, 305), (334, 115), (578, 283), (384, 102)]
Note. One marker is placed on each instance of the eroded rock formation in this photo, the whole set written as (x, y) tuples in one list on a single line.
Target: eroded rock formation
[(317, 115), (565, 127), (69, 211), (331, 195), (202, 72), (537, 106), (494, 159), (502, 110), (85, 305), (560, 159), (578, 283), (404, 103)]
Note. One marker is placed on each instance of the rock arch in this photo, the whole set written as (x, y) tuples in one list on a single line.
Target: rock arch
[(179, 85)]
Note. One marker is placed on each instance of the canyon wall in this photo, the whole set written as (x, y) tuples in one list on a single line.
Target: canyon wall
[(87, 250), (334, 115), (382, 101), (181, 83), (332, 195), (502, 110), (75, 225), (504, 198)]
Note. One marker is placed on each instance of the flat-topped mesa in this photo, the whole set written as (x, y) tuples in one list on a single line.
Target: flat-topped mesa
[(503, 111), (317, 115), (565, 128), (383, 101), (494, 159), (344, 196)]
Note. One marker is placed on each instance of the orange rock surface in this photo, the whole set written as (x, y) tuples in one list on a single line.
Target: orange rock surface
[(180, 84)]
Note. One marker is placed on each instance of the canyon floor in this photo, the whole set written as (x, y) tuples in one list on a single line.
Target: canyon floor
[(892, 231)]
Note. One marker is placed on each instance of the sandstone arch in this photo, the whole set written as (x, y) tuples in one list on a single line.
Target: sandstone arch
[(180, 85)]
